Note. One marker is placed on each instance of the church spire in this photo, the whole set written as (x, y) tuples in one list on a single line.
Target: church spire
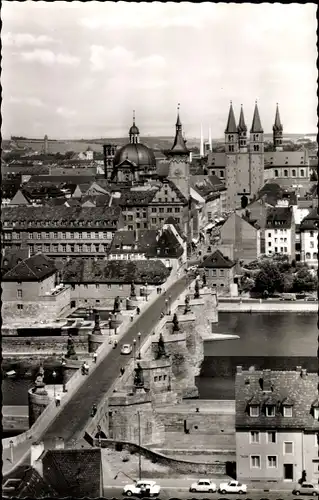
[(179, 146), (277, 131), (242, 125), (134, 132), (256, 127), (231, 122), (242, 132), (277, 126)]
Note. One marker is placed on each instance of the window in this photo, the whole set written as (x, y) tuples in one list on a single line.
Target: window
[(316, 413), (108, 287), (177, 220), (55, 235), (288, 448), (271, 437), (47, 235), (39, 236), (47, 248), (311, 234), (256, 147), (63, 248), (153, 220), (255, 461), (270, 410), (130, 217), (155, 379), (308, 256), (120, 287), (19, 294), (88, 235), (221, 173), (80, 236), (20, 306), (177, 210), (221, 272), (285, 173), (269, 235), (272, 462), (287, 411), (276, 173), (294, 173), (231, 149), (254, 437), (96, 235), (302, 173), (97, 286), (285, 249), (154, 209), (269, 243), (254, 411), (169, 210), (161, 210), (214, 272), (312, 245)]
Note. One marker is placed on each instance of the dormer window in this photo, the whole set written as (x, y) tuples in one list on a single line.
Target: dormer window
[(270, 410), (316, 413), (254, 410), (287, 411)]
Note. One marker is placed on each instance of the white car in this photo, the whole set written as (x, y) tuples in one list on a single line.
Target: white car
[(150, 488), (126, 349), (203, 485), (233, 487)]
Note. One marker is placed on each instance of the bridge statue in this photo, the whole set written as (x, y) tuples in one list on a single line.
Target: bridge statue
[(71, 354), (133, 291), (204, 280), (196, 294), (187, 306), (161, 353), (175, 324), (138, 377), (39, 385), (117, 305), (97, 328)]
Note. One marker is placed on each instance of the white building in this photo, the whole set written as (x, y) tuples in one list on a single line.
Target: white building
[(309, 239), (280, 232)]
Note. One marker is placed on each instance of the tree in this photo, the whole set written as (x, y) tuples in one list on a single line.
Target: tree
[(269, 279), (314, 176), (304, 281)]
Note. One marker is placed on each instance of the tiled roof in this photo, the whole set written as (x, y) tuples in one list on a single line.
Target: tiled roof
[(231, 127), (136, 198), (101, 200), (26, 170), (286, 158), (115, 271), (311, 221), (61, 216), (139, 241), (171, 220), (58, 179), (11, 257), (167, 246), (176, 190), (301, 390), (205, 185), (9, 187), (74, 473), (217, 261), (279, 217), (35, 268), (27, 483), (216, 160)]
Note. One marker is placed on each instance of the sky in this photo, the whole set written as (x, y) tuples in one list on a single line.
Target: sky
[(78, 69)]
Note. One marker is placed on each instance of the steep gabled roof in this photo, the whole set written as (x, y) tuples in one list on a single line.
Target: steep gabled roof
[(279, 218), (277, 125), (171, 220), (242, 127), (311, 221), (256, 127), (139, 241), (35, 268), (231, 127), (217, 261), (179, 146), (167, 246)]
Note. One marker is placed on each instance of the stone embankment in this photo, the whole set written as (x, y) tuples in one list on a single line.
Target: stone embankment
[(253, 305)]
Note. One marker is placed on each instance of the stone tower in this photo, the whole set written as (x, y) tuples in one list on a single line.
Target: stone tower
[(109, 151), (134, 132), (179, 161), (277, 131), (45, 145), (256, 154), (231, 150)]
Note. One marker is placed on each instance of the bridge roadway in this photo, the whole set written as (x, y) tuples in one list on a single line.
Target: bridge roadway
[(70, 422)]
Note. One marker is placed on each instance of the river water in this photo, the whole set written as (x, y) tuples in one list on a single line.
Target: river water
[(267, 340)]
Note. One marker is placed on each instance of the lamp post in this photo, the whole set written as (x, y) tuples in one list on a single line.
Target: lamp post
[(115, 324), (11, 451), (139, 345), (134, 351), (146, 298), (166, 306), (54, 375), (169, 304), (139, 444)]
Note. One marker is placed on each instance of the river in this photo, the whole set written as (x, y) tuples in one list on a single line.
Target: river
[(267, 340)]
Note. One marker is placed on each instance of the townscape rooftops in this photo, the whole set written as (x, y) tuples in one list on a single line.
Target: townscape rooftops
[(11, 257), (60, 216), (135, 197), (79, 271), (35, 268), (173, 222), (281, 217), (300, 390), (133, 241), (311, 221), (216, 160), (167, 246), (73, 473), (26, 482), (217, 261), (286, 158), (206, 185)]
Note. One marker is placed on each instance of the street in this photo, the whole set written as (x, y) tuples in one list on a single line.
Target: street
[(184, 494)]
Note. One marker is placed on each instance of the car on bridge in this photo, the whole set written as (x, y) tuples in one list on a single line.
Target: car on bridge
[(307, 489), (233, 487), (126, 349), (142, 488), (203, 486)]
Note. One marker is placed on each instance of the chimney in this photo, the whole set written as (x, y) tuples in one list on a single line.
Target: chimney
[(239, 369), (36, 452), (303, 372)]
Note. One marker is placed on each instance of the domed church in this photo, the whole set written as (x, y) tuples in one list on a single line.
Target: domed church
[(134, 161)]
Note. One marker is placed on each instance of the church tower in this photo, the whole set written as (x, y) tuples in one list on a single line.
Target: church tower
[(179, 160), (256, 154), (134, 132), (231, 150), (277, 131), (242, 132)]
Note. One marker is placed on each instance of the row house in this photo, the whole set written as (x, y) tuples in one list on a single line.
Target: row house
[(61, 232), (309, 238), (244, 235), (277, 425), (219, 270), (280, 232)]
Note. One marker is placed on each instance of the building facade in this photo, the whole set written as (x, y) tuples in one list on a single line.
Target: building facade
[(280, 232), (309, 239), (219, 271), (244, 236)]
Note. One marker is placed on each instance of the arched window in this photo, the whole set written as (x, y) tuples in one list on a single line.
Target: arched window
[(276, 173), (294, 173), (285, 173), (213, 172), (256, 147), (221, 173), (302, 173), (315, 255), (308, 256)]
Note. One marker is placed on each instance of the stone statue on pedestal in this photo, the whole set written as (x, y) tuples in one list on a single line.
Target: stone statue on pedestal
[(133, 291), (97, 328), (39, 385), (138, 377), (175, 324), (196, 294), (204, 280), (71, 354), (187, 306), (161, 353), (117, 305)]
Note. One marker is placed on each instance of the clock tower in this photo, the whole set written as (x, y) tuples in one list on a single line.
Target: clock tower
[(178, 170)]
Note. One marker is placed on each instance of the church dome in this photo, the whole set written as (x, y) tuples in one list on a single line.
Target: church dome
[(134, 130), (137, 153)]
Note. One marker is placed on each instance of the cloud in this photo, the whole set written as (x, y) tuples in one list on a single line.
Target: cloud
[(20, 39), (49, 58), (30, 101), (119, 58), (67, 113)]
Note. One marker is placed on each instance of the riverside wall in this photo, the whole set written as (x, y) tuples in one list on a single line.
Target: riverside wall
[(266, 306)]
